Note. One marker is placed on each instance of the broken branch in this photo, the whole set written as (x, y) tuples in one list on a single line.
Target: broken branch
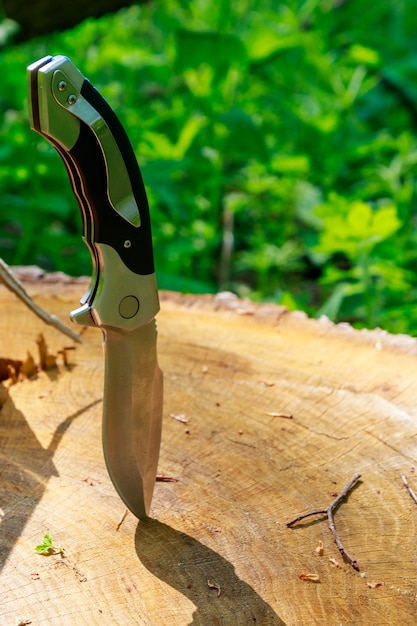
[(329, 512), (11, 282)]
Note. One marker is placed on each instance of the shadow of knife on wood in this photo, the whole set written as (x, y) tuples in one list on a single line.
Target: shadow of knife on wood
[(206, 578)]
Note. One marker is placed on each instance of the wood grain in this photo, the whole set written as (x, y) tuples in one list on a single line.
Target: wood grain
[(277, 414)]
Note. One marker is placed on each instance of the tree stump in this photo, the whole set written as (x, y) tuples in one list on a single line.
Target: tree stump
[(267, 415)]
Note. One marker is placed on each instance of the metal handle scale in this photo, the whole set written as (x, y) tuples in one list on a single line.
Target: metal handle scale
[(68, 111)]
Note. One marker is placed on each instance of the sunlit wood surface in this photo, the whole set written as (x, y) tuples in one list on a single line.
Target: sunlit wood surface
[(266, 415)]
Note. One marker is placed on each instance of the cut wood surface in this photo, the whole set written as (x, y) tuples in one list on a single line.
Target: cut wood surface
[(267, 415)]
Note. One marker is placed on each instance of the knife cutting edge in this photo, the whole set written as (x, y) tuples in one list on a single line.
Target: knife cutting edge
[(122, 297)]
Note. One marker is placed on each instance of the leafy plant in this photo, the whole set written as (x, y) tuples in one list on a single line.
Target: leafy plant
[(277, 144), (47, 546), (355, 230)]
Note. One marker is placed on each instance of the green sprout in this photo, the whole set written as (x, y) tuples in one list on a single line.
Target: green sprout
[(47, 547)]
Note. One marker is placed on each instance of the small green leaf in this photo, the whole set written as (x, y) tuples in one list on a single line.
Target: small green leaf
[(365, 55), (47, 546), (291, 163), (265, 41)]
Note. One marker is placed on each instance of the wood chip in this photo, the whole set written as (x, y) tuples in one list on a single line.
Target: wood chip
[(29, 367), (314, 578), (214, 586), (162, 478), (335, 563), (65, 353), (180, 418), (287, 416), (374, 585), (13, 374), (47, 361), (320, 549), (15, 371), (7, 366)]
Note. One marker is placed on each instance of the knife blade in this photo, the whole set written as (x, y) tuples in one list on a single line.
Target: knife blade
[(122, 297)]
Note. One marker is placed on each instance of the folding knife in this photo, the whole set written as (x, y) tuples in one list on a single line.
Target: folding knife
[(122, 297)]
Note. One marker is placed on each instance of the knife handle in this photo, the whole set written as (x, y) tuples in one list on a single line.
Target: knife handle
[(70, 113), (99, 158)]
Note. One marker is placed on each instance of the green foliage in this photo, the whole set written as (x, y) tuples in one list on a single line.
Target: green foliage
[(47, 546), (276, 140)]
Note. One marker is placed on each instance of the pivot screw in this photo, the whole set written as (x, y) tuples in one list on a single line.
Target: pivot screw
[(128, 307), (62, 85), (72, 99), (127, 244)]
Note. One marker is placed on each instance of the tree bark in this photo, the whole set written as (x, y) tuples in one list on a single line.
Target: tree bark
[(267, 415), (47, 16)]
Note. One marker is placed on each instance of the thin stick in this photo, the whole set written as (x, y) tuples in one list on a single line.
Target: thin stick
[(329, 512), (11, 282), (122, 519), (409, 489)]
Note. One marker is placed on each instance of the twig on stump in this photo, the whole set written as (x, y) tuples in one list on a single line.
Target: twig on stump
[(329, 512), (409, 489), (11, 282), (122, 519)]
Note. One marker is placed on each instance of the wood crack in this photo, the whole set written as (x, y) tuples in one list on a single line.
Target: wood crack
[(391, 447), (321, 433)]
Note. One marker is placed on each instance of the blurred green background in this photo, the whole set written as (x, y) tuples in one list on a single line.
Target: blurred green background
[(277, 142)]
